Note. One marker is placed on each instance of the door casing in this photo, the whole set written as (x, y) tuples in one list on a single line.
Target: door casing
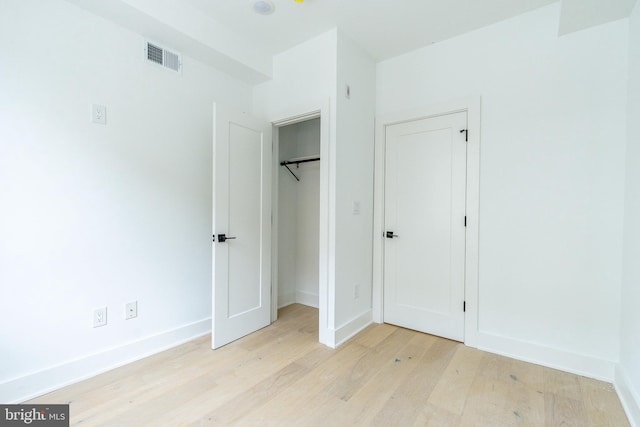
[(300, 114), (471, 106)]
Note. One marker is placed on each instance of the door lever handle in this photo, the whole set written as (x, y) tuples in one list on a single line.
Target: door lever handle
[(390, 235), (223, 238)]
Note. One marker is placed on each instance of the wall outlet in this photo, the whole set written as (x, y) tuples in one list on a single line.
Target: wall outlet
[(131, 310), (99, 114), (356, 291), (99, 317)]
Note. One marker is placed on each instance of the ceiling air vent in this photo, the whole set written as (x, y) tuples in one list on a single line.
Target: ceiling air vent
[(164, 57)]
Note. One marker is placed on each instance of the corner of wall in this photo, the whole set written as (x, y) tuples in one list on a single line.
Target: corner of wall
[(336, 337), (629, 397), (627, 375)]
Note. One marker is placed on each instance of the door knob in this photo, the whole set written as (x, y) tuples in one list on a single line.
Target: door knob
[(223, 238), (390, 235)]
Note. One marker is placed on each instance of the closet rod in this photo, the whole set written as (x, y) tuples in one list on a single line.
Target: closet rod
[(286, 164), (295, 162)]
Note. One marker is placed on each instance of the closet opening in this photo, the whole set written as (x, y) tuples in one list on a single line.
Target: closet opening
[(296, 219)]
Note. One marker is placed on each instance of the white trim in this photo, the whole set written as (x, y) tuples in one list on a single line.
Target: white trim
[(317, 110), (629, 397), (472, 106), (307, 298), (41, 382), (297, 118), (348, 330), (550, 357), (287, 299), (275, 236)]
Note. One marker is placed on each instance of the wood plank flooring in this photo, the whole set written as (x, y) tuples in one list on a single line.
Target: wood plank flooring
[(385, 376)]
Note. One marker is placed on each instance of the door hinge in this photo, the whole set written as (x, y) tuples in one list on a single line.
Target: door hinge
[(464, 306), (465, 220), (466, 134)]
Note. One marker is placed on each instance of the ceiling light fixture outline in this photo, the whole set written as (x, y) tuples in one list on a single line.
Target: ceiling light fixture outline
[(263, 7)]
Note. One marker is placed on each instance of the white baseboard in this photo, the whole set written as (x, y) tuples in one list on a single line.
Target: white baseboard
[(575, 363), (307, 298), (36, 384), (629, 396), (341, 334), (286, 299)]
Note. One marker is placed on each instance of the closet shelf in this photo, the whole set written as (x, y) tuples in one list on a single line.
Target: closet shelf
[(297, 162)]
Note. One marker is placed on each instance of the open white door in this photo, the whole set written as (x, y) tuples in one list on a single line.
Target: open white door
[(241, 225)]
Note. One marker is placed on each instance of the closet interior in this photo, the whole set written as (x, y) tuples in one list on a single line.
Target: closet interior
[(298, 213)]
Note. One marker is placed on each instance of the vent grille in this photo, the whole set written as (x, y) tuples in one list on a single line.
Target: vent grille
[(154, 53), (171, 60), (164, 57)]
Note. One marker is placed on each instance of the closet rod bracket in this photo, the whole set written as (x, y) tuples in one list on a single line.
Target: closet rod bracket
[(290, 171)]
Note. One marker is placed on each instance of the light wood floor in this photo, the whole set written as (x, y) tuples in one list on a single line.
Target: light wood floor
[(385, 376)]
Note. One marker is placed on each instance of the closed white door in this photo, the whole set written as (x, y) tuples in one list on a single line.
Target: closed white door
[(424, 250), (241, 226)]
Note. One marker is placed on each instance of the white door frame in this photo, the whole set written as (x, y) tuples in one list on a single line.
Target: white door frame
[(471, 106), (319, 110)]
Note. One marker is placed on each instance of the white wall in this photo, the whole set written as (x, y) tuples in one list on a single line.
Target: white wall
[(628, 373), (551, 181), (287, 218), (302, 76), (98, 215), (354, 184), (299, 215), (313, 73), (304, 81)]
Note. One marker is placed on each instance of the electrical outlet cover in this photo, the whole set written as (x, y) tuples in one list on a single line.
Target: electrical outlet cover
[(99, 317), (99, 114)]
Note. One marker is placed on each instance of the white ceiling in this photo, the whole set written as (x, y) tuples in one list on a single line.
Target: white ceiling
[(385, 28), (581, 14), (229, 35)]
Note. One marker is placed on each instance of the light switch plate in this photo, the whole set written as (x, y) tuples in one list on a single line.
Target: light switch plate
[(356, 208)]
